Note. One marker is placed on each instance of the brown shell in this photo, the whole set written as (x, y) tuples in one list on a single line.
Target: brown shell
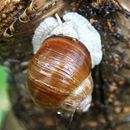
[(57, 69)]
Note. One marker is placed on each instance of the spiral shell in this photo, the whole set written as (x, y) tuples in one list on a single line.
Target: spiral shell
[(58, 74)]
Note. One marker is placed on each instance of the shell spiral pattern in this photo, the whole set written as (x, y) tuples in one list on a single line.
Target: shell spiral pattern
[(58, 74)]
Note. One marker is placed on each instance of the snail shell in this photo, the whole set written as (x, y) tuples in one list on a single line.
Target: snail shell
[(58, 74)]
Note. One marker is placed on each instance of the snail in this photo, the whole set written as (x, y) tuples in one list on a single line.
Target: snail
[(59, 75)]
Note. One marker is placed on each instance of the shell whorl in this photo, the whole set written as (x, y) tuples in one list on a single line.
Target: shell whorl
[(58, 75)]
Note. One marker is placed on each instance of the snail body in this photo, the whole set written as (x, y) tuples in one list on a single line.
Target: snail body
[(59, 75)]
